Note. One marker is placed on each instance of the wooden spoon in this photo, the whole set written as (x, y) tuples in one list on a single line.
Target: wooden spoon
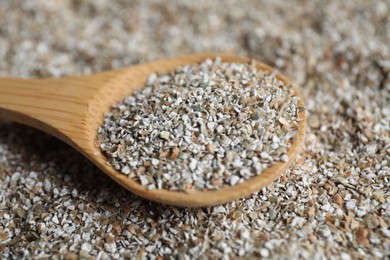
[(72, 109)]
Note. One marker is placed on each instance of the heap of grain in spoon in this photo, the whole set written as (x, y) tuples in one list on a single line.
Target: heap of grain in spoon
[(202, 126)]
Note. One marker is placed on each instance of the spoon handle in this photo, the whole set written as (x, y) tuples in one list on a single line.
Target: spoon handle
[(55, 106)]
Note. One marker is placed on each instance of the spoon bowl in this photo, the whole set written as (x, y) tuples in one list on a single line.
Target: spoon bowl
[(72, 109)]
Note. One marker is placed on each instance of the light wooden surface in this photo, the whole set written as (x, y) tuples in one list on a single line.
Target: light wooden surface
[(72, 109)]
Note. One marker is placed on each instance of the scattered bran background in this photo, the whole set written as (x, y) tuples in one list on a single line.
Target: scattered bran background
[(335, 202)]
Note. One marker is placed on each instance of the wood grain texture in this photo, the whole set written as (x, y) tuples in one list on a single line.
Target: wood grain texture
[(72, 109)]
